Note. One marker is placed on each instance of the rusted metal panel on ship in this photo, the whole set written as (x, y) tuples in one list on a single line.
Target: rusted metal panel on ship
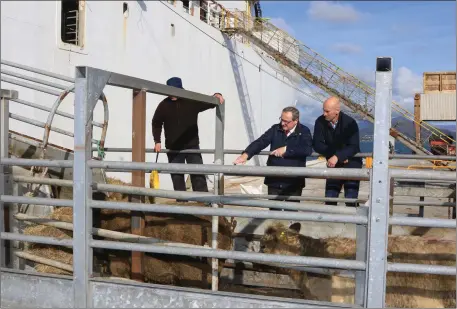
[(435, 82), (438, 106)]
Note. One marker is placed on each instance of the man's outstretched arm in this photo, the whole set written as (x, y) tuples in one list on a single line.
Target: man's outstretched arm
[(256, 147)]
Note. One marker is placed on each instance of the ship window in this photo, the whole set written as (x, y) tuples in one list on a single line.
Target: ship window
[(203, 10), (70, 22), (185, 5)]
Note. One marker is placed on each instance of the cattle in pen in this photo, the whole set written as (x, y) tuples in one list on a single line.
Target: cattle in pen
[(404, 290)]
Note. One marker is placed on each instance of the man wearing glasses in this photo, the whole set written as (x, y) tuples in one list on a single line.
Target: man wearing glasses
[(290, 143)]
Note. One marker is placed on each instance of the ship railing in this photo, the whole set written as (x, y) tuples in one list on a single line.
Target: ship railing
[(372, 223)]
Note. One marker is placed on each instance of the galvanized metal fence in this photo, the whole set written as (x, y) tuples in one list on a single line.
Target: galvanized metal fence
[(372, 222)]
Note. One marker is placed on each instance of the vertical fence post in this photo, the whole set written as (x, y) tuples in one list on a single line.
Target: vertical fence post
[(380, 189), (361, 255), (81, 189), (218, 187), (138, 155), (5, 171), (89, 84)]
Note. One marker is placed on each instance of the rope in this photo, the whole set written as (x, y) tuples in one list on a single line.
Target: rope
[(100, 151)]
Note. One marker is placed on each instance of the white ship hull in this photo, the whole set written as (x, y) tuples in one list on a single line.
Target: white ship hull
[(150, 41)]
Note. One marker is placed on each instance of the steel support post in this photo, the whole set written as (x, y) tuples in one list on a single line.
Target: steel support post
[(218, 187), (5, 172), (361, 255), (138, 155), (391, 203), (380, 189), (89, 85)]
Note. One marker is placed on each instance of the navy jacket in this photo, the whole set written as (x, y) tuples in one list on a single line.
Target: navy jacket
[(343, 141), (299, 146)]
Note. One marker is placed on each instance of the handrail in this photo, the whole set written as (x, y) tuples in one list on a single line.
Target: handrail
[(266, 153)]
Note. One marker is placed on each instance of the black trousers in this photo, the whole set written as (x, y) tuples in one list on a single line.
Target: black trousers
[(198, 181), (351, 190), (290, 191)]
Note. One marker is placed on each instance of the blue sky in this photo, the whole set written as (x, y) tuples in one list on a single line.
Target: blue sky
[(419, 35)]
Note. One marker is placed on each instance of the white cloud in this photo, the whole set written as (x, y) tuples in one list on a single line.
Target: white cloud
[(308, 106), (333, 12), (407, 83), (366, 75), (347, 48), (282, 24)]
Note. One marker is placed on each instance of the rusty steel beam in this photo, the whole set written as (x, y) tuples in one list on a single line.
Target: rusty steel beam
[(417, 116), (138, 155)]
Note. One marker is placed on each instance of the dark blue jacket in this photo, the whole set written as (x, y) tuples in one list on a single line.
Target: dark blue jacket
[(343, 141), (299, 146)]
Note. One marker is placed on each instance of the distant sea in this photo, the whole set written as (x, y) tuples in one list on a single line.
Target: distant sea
[(368, 147), (399, 147)]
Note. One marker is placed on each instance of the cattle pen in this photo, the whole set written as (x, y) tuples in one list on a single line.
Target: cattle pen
[(84, 289)]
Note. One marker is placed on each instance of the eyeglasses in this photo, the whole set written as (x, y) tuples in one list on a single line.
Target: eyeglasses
[(285, 121)]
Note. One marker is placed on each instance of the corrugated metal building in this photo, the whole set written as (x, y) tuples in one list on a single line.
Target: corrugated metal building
[(439, 106)]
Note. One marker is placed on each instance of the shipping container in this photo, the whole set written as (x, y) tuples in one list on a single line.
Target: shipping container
[(434, 82), (438, 106)]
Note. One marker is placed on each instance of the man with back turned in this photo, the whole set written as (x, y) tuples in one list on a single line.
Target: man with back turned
[(336, 136), (179, 117)]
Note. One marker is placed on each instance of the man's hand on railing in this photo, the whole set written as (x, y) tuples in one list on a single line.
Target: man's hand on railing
[(220, 97), (279, 152), (332, 161), (157, 147), (241, 159)]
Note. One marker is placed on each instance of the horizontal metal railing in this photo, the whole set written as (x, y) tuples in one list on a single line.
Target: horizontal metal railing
[(266, 153), (47, 109), (202, 198), (35, 80), (224, 254), (339, 173), (37, 71), (43, 125), (30, 86)]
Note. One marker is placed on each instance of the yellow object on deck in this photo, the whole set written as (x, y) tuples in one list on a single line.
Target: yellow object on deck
[(154, 182), (369, 162)]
